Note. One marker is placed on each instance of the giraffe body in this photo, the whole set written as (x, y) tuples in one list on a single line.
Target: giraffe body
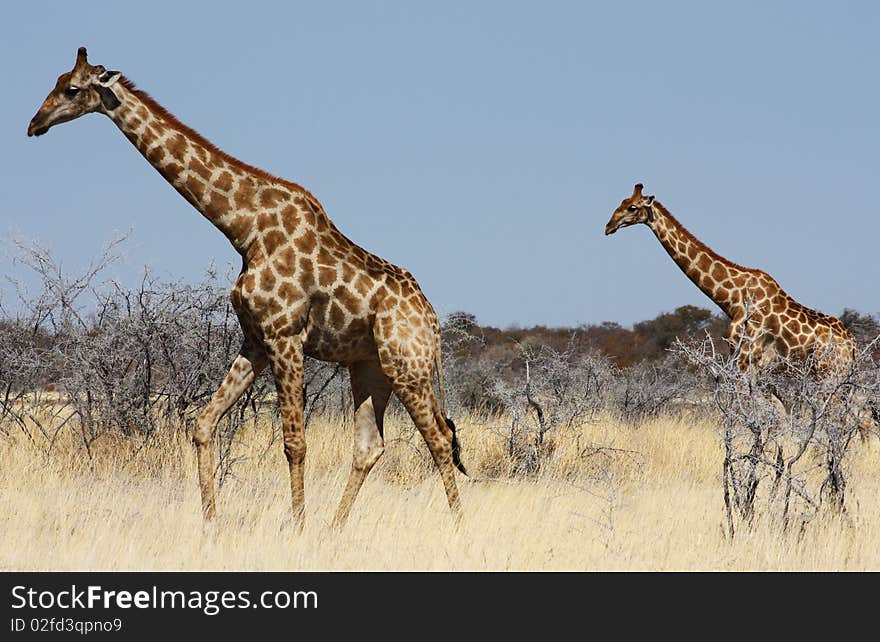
[(766, 323), (304, 289)]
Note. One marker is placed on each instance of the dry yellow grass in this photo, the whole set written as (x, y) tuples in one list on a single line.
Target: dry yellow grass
[(659, 509)]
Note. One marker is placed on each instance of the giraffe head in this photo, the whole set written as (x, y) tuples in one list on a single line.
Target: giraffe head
[(82, 90), (635, 209)]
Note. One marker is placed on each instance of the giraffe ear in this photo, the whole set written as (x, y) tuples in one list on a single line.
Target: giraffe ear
[(107, 78), (103, 84), (649, 201)]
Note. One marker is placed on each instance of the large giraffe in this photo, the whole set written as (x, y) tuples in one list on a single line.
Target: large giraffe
[(773, 324), (304, 289)]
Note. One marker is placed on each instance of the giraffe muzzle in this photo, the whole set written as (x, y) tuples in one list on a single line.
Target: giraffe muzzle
[(35, 128)]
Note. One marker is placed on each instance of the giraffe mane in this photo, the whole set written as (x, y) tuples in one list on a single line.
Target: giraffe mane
[(173, 122)]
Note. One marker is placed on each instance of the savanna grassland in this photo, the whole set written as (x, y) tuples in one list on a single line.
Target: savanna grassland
[(609, 496)]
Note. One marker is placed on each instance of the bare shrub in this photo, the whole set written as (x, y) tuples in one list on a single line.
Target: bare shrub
[(470, 367), (555, 391), (650, 389), (787, 433), (90, 354)]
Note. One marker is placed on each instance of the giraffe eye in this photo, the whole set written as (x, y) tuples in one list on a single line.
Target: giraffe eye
[(632, 208), (71, 91)]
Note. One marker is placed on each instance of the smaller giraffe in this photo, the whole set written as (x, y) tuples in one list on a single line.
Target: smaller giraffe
[(775, 325)]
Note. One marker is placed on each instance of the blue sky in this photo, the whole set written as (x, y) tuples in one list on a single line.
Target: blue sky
[(482, 145)]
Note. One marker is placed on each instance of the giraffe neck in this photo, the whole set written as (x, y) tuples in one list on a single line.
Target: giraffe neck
[(226, 191), (709, 271)]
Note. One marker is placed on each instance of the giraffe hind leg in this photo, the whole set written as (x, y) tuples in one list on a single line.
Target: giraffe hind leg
[(421, 405), (406, 354), (371, 390)]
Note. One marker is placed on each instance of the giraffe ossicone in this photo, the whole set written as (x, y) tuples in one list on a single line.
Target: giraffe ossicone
[(304, 289)]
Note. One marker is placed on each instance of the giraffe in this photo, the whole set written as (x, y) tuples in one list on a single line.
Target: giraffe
[(304, 289), (759, 309)]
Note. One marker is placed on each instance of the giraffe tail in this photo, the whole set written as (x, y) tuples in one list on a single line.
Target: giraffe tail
[(456, 446), (875, 414)]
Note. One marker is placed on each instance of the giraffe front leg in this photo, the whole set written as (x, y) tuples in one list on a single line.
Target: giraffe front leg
[(247, 365), (286, 358)]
